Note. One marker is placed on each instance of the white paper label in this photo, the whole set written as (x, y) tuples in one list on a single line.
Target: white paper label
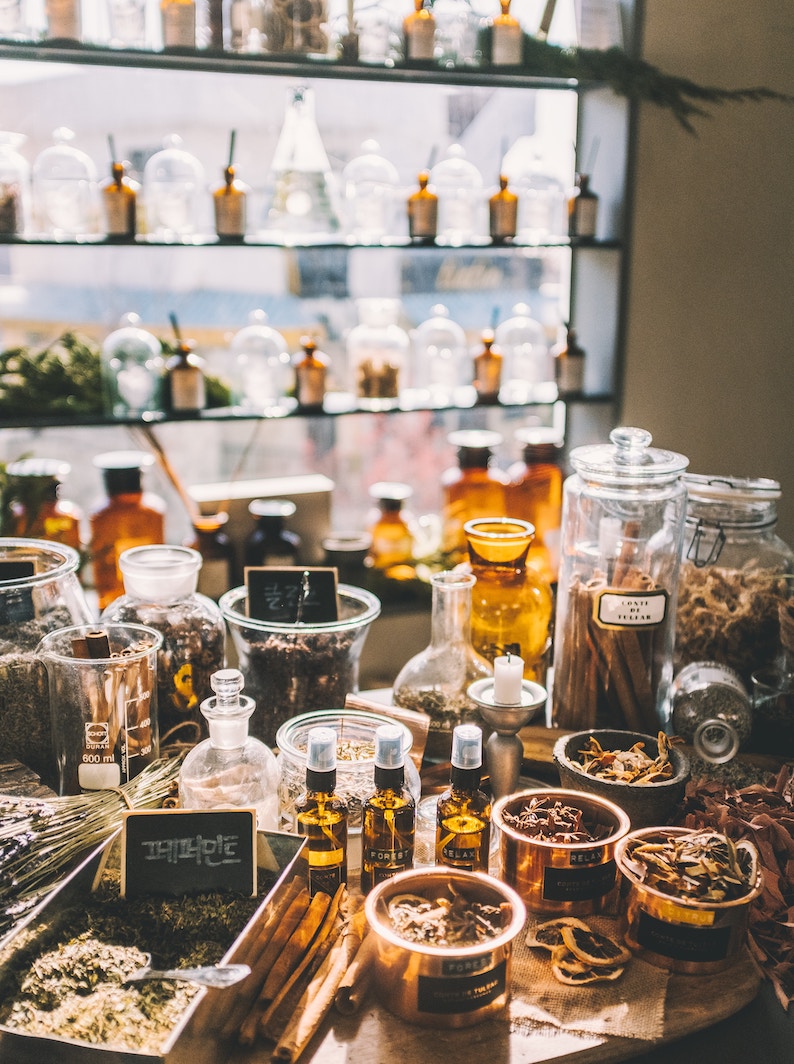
[(627, 609)]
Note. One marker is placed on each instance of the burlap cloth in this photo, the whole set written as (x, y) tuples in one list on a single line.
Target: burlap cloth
[(630, 1007)]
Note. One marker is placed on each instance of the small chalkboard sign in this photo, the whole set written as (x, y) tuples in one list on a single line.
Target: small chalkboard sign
[(186, 851), (16, 606), (292, 594)]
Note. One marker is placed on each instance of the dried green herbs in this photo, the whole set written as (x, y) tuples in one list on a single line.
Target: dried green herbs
[(704, 866)]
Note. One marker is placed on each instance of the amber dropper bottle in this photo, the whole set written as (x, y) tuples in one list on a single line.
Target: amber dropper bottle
[(322, 816), (387, 837), (463, 824)]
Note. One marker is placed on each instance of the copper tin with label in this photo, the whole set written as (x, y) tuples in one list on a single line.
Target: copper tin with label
[(681, 935), (442, 986), (569, 878)]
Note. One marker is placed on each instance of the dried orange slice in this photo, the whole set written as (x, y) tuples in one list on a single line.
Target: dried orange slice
[(569, 969), (549, 934), (593, 948)]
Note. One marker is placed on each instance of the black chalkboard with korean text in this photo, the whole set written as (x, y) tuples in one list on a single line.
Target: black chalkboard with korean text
[(183, 851), (292, 594)]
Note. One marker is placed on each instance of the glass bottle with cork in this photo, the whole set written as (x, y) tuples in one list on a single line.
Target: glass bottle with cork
[(474, 487), (389, 815), (423, 211), (419, 31), (321, 815), (126, 517), (186, 385), (311, 375), (229, 201), (535, 493), (389, 525), (37, 510), (119, 200), (271, 542), (231, 767), (463, 818)]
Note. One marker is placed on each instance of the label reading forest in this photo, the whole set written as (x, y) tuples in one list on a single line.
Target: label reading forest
[(292, 594), (181, 851)]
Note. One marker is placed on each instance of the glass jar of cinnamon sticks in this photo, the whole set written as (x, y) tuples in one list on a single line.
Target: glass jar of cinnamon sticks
[(622, 530)]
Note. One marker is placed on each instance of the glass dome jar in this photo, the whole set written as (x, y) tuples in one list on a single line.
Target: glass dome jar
[(39, 593), (293, 668), (14, 186), (174, 192), (261, 376), (623, 516), (436, 681), (541, 194), (370, 185), (160, 592), (461, 198), (132, 370), (456, 37), (527, 360), (65, 190), (378, 351), (441, 366), (735, 573)]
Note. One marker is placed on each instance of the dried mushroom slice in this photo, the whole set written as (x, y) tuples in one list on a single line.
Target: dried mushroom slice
[(548, 935), (594, 948), (569, 969)]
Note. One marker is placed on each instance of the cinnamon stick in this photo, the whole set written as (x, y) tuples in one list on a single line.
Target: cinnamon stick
[(355, 984)]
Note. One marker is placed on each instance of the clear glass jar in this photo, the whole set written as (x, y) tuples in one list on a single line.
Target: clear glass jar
[(511, 602), (39, 593), (378, 351), (461, 198), (541, 194), (522, 341), (65, 190), (456, 37), (436, 681), (133, 367), (261, 376), (174, 192), (370, 185), (14, 186), (301, 29), (160, 592), (622, 528), (440, 357), (735, 573)]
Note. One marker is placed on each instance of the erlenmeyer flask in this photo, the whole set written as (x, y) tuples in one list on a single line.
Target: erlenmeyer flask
[(303, 192)]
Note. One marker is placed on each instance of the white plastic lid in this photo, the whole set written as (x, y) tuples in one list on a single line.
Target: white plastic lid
[(389, 741), (475, 439), (321, 750), (467, 746), (159, 572)]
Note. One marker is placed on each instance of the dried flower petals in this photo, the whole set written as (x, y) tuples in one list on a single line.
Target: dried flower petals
[(628, 766), (704, 866), (451, 921), (551, 820)]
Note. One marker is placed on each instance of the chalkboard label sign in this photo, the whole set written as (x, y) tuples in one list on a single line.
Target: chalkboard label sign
[(184, 851), (16, 606), (292, 594)]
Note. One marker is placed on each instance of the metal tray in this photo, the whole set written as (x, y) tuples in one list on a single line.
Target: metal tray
[(277, 853)]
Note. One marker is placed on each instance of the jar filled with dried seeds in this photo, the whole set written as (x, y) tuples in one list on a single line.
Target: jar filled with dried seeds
[(160, 591)]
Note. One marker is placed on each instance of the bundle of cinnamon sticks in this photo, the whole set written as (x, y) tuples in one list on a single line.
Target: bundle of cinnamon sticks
[(307, 954)]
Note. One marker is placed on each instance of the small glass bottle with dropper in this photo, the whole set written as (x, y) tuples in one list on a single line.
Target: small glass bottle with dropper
[(463, 820), (388, 827), (231, 768), (229, 201), (321, 815)]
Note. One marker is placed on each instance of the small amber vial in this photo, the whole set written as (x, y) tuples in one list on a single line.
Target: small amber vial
[(503, 213), (229, 201), (423, 211), (488, 370), (390, 526), (311, 372), (419, 30), (120, 203)]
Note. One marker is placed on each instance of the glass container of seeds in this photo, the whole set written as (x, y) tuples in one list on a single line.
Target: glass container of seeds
[(160, 591)]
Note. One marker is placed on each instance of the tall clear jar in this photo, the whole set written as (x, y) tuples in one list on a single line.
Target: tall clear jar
[(160, 584), (622, 530), (511, 602), (735, 573), (436, 680), (378, 351), (39, 593)]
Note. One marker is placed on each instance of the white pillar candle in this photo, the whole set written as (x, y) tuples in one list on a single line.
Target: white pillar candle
[(508, 673)]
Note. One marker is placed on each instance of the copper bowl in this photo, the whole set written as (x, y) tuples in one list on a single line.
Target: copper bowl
[(681, 935), (569, 878), (443, 986), (647, 804)]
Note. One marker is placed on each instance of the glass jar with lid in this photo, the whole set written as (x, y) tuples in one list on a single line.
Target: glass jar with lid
[(461, 198), (173, 192), (160, 584), (541, 194), (735, 572), (14, 186), (370, 183), (622, 528), (522, 341), (133, 368), (261, 376), (378, 354), (441, 362), (65, 190)]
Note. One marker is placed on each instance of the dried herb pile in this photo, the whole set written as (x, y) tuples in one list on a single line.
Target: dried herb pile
[(763, 814)]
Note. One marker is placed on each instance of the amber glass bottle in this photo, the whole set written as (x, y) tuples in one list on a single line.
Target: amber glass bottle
[(423, 211), (38, 512), (511, 603), (390, 526), (475, 487), (503, 212), (229, 202), (218, 563), (463, 819), (321, 816), (186, 386), (507, 38), (311, 372), (488, 370), (535, 495), (127, 517), (419, 30), (388, 825), (120, 203)]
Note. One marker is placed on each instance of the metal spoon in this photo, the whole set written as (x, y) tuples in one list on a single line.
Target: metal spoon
[(215, 975)]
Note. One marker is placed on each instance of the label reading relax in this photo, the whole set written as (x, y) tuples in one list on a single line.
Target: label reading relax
[(578, 884), (683, 943), (466, 994), (630, 609)]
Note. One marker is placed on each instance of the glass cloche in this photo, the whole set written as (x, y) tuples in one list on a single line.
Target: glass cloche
[(528, 362), (65, 190), (441, 360), (173, 188), (132, 369), (261, 373), (461, 198), (370, 184)]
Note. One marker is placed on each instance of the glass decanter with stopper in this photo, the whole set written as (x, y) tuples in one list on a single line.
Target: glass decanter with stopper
[(231, 768), (436, 681)]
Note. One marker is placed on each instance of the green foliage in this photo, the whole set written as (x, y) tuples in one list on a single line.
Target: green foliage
[(61, 379)]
